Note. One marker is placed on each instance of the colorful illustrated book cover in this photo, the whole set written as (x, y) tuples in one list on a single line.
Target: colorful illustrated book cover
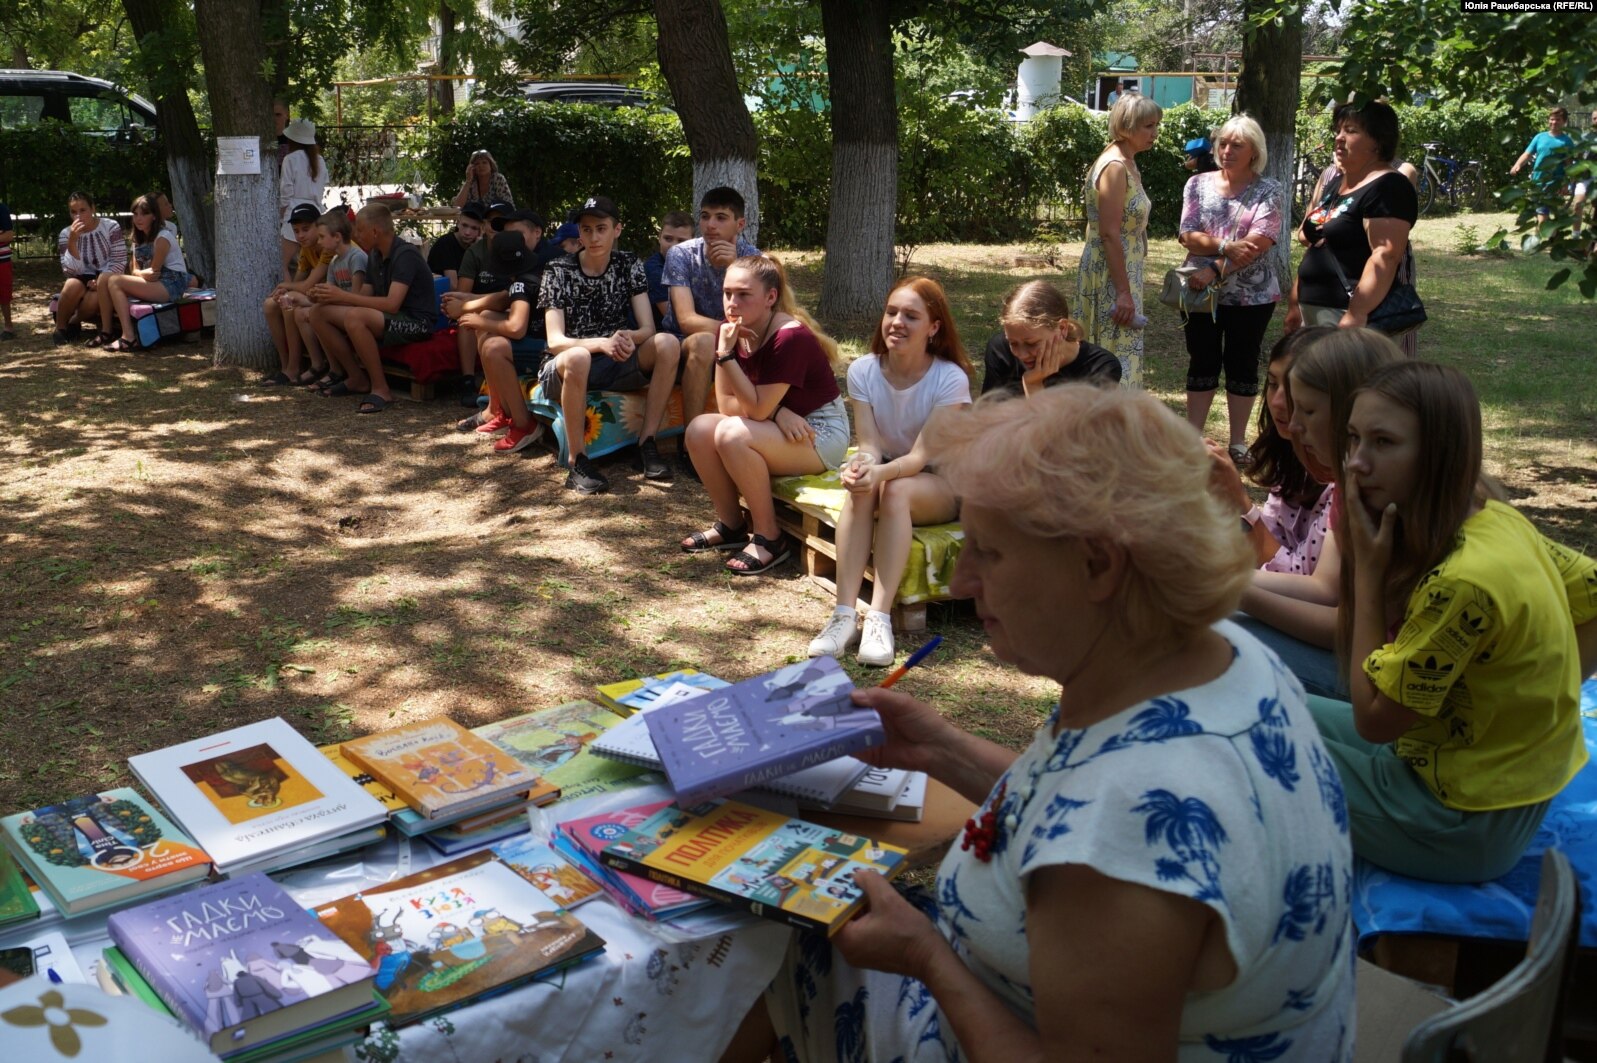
[(439, 767), (254, 792), (16, 899), (241, 955), (453, 932), (391, 801), (584, 839), (778, 868), (102, 849), (556, 878), (553, 744), (627, 696), (760, 729)]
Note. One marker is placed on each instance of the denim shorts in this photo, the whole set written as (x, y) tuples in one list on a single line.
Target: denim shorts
[(831, 432), (176, 282)]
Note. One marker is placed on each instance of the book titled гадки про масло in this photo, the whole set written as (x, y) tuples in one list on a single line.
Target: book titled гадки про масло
[(726, 741)]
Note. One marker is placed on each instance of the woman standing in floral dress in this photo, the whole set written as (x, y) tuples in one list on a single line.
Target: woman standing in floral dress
[(1109, 284)]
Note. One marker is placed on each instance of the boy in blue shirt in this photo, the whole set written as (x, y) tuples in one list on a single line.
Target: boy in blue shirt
[(1550, 150), (675, 228)]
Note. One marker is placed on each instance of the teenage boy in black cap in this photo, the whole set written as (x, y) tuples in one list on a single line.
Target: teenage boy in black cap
[(499, 335), (450, 248), (590, 300), (482, 286)]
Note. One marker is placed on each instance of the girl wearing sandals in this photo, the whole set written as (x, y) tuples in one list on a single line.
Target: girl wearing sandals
[(781, 413), (915, 367), (1467, 633), (159, 275)]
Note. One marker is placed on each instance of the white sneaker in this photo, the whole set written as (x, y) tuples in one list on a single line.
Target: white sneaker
[(876, 640), (840, 632)]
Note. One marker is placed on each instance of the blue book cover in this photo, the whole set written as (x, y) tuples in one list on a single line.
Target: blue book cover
[(241, 963), (726, 741)]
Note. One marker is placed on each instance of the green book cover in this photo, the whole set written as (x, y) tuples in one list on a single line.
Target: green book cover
[(16, 900), (554, 742)]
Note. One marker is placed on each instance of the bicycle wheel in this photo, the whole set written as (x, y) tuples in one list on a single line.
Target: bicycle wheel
[(1427, 190), (1469, 189)]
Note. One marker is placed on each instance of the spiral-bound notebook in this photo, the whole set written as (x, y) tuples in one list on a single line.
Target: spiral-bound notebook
[(629, 742)]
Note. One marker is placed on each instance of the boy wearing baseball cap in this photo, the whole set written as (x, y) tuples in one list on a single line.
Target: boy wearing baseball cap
[(590, 300), (482, 287), (499, 335), (309, 269)]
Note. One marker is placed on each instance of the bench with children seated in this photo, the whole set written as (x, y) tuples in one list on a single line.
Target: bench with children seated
[(808, 507), (185, 317)]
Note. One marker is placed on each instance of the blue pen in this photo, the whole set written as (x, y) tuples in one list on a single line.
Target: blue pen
[(50, 971), (915, 658)]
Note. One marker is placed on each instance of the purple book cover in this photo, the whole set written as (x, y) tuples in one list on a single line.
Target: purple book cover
[(226, 953), (725, 741)]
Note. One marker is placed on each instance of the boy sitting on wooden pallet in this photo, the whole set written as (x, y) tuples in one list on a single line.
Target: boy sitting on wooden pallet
[(591, 300)]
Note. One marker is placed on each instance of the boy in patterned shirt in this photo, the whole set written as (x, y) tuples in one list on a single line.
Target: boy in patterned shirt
[(590, 300)]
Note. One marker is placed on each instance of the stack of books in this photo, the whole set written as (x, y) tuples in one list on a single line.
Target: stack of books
[(248, 969), (581, 840), (455, 932), (556, 744), (782, 869), (102, 850), (627, 696), (260, 798), (438, 777)]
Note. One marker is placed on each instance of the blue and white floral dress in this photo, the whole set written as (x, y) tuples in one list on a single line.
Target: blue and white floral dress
[(1222, 793)]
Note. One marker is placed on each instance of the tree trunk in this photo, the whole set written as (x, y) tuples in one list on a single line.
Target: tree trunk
[(188, 162), (860, 225), (247, 262), (696, 59), (448, 45), (1267, 89)]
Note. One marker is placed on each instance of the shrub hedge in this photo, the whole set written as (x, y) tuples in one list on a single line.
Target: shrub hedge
[(113, 173)]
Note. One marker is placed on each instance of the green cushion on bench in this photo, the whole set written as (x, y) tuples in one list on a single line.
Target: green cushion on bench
[(931, 560)]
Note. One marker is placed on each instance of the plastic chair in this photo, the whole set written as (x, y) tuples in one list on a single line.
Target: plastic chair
[(1518, 1019)]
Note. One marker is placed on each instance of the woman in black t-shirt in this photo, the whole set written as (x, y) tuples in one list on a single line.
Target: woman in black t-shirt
[(1360, 224), (1040, 346)]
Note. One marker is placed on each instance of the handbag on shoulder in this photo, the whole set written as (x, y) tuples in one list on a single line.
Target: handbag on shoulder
[(1401, 311)]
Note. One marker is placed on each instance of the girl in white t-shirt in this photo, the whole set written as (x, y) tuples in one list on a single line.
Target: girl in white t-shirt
[(916, 365), (159, 276)]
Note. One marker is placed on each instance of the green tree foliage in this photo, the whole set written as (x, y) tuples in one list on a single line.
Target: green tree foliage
[(556, 155), (114, 174)]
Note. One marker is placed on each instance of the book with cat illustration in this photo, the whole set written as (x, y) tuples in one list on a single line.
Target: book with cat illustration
[(779, 868), (413, 824), (726, 741), (554, 743), (100, 850), (454, 932), (257, 797), (557, 878), (243, 965), (441, 769)]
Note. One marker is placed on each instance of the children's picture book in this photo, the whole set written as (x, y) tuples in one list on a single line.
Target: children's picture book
[(630, 743), (443, 936), (627, 696), (556, 878), (44, 1021), (451, 841), (101, 850), (242, 963), (250, 794), (554, 743), (778, 868), (584, 838), (16, 899), (391, 801), (439, 768), (761, 729)]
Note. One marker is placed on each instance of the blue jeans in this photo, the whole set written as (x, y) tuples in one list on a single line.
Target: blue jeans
[(1317, 669)]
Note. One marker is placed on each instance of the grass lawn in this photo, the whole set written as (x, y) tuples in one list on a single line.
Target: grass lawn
[(184, 552)]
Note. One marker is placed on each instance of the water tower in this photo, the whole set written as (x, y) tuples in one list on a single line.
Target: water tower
[(1038, 82)]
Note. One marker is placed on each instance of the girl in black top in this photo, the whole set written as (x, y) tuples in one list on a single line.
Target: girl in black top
[(1040, 345), (1361, 224)]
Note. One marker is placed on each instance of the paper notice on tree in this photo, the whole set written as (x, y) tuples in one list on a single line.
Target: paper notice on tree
[(238, 155)]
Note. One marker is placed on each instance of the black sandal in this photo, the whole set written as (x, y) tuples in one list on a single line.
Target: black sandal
[(731, 539), (779, 548), (100, 339)]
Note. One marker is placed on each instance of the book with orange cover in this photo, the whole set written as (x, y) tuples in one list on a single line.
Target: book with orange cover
[(441, 769)]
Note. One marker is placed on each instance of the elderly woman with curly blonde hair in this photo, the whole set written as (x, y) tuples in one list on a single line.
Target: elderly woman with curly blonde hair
[(1164, 873)]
